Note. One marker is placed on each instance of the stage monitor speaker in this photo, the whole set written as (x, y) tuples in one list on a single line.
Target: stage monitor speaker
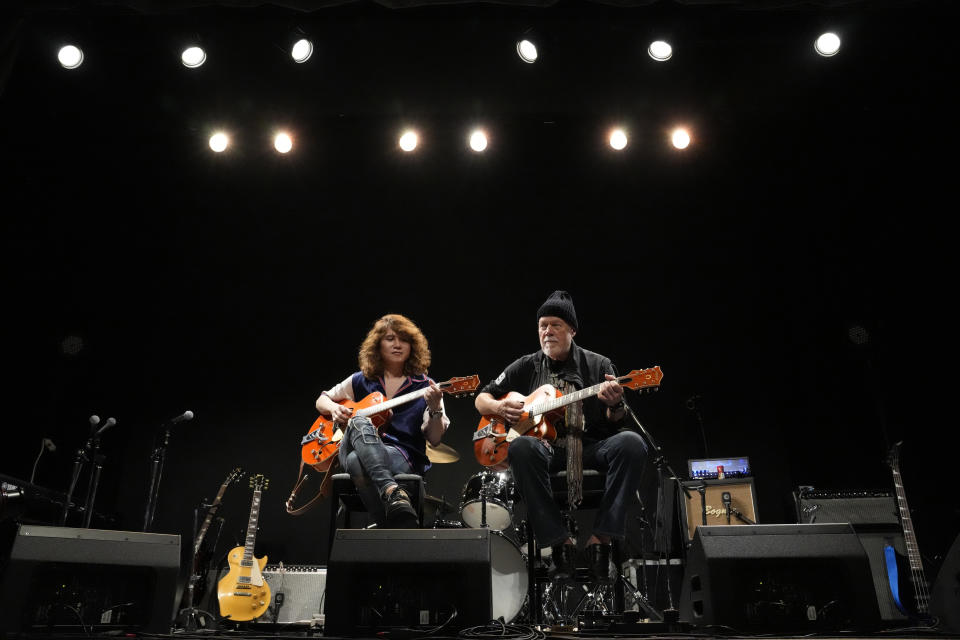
[(403, 578), (743, 498), (779, 578), (62, 578)]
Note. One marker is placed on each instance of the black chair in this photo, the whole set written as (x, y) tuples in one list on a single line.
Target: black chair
[(344, 492), (594, 486)]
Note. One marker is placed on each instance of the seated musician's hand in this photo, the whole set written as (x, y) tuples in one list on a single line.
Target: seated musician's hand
[(610, 392), (433, 396), (341, 414), (510, 410)]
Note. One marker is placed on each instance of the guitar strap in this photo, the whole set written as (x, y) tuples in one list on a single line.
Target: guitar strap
[(890, 556), (322, 492)]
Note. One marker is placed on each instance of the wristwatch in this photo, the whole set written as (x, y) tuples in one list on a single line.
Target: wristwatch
[(437, 413)]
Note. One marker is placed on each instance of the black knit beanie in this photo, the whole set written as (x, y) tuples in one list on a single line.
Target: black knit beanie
[(559, 304)]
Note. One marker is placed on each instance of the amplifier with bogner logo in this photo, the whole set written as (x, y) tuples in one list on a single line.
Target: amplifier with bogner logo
[(721, 493)]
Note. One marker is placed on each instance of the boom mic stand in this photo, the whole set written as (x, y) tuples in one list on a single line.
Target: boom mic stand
[(89, 452), (670, 614)]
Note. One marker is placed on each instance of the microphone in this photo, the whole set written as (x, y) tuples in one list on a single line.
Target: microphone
[(106, 425), (48, 445), (725, 496), (692, 402), (183, 417), (94, 420)]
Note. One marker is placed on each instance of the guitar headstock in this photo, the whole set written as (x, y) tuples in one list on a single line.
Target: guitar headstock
[(642, 378), (460, 386), (234, 476), (893, 458), (259, 482)]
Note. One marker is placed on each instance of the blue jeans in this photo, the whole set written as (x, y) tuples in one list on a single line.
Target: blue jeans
[(371, 464), (622, 457)]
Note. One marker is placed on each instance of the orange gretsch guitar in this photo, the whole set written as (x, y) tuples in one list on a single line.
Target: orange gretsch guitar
[(540, 410), (322, 442)]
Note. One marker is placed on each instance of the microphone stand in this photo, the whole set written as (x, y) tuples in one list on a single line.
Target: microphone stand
[(94, 480), (157, 458), (81, 457), (670, 614)]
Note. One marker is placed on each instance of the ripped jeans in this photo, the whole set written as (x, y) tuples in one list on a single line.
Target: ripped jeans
[(371, 464)]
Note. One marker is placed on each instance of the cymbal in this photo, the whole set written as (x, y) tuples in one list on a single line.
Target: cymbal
[(442, 453)]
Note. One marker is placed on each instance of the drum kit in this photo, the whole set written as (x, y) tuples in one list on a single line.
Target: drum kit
[(486, 501)]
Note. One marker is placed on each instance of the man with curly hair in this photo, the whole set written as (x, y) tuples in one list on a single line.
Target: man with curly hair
[(393, 358)]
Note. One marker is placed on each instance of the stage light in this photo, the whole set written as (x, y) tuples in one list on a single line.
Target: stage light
[(478, 140), (302, 50), (527, 51), (660, 51), (193, 57), (408, 141), (70, 56), (219, 141), (680, 138), (618, 139), (282, 142), (827, 44)]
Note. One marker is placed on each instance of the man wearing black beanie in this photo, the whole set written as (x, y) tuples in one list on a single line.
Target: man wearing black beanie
[(591, 434)]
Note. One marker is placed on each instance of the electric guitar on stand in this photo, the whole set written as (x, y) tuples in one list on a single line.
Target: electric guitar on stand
[(244, 593), (541, 409), (200, 561), (919, 607)]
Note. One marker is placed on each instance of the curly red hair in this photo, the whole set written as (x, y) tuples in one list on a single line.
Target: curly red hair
[(371, 362)]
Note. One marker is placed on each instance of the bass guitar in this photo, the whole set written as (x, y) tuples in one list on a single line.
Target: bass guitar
[(243, 593), (322, 441), (921, 593), (198, 574), (540, 410)]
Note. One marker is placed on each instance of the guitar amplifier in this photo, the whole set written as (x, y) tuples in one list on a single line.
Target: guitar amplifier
[(863, 509), (743, 498), (303, 587)]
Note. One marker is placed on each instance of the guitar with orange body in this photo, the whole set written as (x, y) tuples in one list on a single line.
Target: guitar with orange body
[(322, 441), (541, 409)]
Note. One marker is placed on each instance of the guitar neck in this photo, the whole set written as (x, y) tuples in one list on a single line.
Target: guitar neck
[(251, 530), (206, 521), (547, 406), (910, 540)]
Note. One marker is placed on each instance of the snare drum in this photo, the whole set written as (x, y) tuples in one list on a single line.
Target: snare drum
[(508, 570), (497, 490)]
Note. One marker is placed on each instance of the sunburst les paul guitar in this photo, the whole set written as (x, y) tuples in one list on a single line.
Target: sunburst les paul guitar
[(541, 409), (322, 442), (243, 593)]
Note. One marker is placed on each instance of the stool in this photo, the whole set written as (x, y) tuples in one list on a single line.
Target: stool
[(594, 486), (343, 490)]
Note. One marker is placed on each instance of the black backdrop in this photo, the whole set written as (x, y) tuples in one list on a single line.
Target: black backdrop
[(811, 201)]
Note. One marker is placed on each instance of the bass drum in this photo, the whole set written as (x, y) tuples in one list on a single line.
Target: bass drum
[(497, 491), (508, 570)]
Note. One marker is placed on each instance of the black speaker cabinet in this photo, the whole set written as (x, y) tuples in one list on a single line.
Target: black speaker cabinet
[(743, 498), (945, 596), (61, 578), (390, 578), (779, 577)]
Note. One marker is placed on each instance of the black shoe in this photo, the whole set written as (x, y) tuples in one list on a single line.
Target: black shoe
[(564, 559), (598, 561), (400, 513)]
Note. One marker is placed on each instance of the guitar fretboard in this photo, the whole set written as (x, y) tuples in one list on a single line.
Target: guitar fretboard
[(546, 406), (251, 530), (910, 540), (393, 402)]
